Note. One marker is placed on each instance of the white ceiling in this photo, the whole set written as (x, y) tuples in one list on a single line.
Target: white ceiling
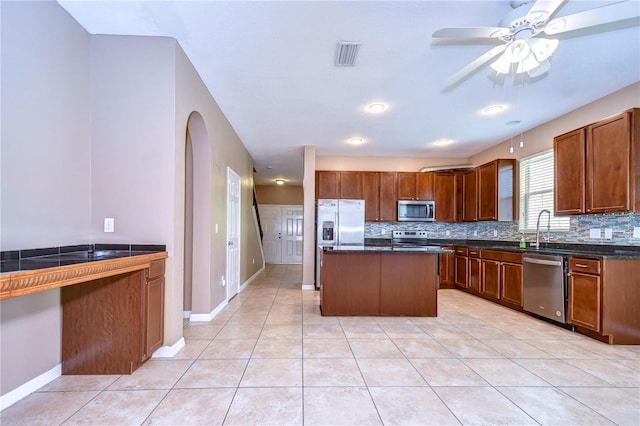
[(270, 67)]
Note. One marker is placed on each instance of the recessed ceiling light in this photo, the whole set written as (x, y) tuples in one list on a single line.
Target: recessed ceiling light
[(280, 181), (493, 109), (356, 141), (513, 122), (443, 142), (377, 107)]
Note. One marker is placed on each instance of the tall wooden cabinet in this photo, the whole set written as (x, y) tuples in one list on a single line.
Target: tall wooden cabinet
[(597, 167), (497, 190), (470, 196), (445, 196)]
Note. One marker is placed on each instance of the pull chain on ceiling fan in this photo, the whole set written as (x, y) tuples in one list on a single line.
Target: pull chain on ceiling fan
[(525, 46)]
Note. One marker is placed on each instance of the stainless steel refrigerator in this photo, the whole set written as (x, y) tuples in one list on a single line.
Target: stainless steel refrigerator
[(339, 222)]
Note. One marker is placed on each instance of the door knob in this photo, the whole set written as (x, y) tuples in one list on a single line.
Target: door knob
[(230, 243)]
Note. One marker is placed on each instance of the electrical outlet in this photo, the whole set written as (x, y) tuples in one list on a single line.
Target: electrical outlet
[(608, 233), (594, 233), (216, 228), (223, 283), (495, 233), (636, 232), (253, 261), (383, 232), (448, 233), (109, 224), (475, 233)]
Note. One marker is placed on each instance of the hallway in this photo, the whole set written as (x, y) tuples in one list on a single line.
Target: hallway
[(270, 358)]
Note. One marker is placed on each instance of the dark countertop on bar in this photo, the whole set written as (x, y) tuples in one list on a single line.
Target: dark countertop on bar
[(386, 249), (32, 259), (582, 250)]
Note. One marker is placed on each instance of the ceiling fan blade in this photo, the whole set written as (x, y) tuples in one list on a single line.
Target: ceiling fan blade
[(541, 11), (589, 18), (471, 67), (471, 32)]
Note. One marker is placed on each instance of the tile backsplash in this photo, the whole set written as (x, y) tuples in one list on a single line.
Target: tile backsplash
[(622, 226)]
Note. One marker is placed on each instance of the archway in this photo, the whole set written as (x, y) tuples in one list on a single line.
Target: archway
[(197, 223)]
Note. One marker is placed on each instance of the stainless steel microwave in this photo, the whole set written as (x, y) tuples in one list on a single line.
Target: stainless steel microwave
[(416, 211)]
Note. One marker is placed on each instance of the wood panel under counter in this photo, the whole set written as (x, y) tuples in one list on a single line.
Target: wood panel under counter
[(378, 282)]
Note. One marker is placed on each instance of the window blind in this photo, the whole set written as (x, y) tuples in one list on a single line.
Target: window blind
[(536, 193)]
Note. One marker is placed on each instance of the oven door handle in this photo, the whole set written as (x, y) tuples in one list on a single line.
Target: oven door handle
[(541, 261)]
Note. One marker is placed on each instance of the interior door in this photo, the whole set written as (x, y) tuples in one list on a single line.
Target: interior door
[(271, 220), (233, 233), (292, 234)]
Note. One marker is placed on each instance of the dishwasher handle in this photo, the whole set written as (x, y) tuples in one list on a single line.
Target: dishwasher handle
[(542, 261)]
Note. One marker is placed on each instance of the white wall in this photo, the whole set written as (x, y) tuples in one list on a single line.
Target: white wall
[(45, 171)]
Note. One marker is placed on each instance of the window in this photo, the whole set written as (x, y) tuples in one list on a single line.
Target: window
[(536, 193)]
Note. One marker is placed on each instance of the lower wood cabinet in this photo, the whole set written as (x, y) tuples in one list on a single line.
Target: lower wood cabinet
[(460, 267), (112, 325), (447, 271), (585, 293), (511, 277), (475, 271), (490, 279)]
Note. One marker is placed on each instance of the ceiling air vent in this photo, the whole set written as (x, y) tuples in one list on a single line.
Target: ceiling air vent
[(346, 53)]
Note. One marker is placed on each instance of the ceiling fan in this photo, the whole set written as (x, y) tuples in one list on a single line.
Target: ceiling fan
[(525, 46)]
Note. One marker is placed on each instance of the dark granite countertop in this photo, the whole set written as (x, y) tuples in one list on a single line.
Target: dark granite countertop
[(386, 249), (32, 259), (583, 250)]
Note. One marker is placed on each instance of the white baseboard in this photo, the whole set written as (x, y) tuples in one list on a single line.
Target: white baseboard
[(251, 278), (169, 351), (31, 386), (186, 314), (308, 287), (211, 315)]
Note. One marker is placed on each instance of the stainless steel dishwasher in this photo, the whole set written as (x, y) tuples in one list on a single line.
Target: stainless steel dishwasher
[(545, 286)]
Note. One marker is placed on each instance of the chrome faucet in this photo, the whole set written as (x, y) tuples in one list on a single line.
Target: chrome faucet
[(537, 243)]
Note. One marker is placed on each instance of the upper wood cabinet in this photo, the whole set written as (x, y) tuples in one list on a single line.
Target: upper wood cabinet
[(351, 185), (406, 186), (445, 196), (425, 186), (470, 196), (497, 190), (597, 167), (379, 194), (415, 186), (569, 152), (327, 184)]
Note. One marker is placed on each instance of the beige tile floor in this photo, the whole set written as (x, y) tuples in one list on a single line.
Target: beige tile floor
[(270, 358)]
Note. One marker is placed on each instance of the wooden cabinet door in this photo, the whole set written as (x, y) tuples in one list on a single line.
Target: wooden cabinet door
[(371, 196), (569, 173), (350, 284), (388, 197), (445, 196), (447, 275), (585, 293), (406, 186), (327, 185), (470, 196), (490, 278), (460, 271), (608, 165), (511, 277), (154, 297), (404, 286), (351, 185), (474, 274), (425, 186), (488, 191)]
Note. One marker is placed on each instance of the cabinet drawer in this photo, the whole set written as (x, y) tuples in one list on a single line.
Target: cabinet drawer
[(503, 256), (462, 251), (474, 252), (587, 266), (156, 269)]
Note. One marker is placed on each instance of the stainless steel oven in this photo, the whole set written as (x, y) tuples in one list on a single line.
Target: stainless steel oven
[(416, 211)]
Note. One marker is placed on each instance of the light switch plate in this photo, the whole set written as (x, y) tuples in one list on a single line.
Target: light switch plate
[(636, 232), (495, 233), (608, 233), (109, 224), (594, 233), (475, 233)]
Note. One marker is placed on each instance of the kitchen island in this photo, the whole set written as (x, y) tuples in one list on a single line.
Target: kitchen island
[(392, 281)]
